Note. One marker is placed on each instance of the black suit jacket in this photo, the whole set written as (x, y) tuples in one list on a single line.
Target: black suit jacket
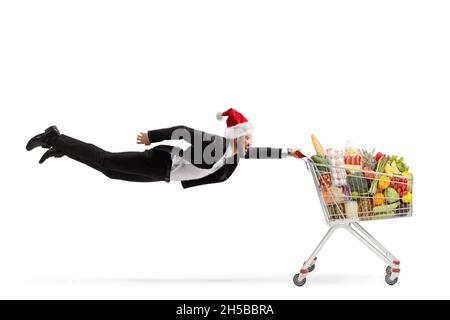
[(202, 142)]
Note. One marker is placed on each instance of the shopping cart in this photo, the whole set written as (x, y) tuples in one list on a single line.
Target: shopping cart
[(355, 201)]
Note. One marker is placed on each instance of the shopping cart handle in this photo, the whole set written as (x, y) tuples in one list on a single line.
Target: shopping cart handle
[(299, 154)]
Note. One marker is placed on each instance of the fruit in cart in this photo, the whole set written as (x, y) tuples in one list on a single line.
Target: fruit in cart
[(393, 183), (393, 165), (378, 199), (408, 177), (401, 185), (389, 169), (383, 182), (407, 174), (407, 198), (391, 195), (317, 146), (355, 195)]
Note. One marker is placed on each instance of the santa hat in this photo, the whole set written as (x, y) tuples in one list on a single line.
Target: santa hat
[(237, 124)]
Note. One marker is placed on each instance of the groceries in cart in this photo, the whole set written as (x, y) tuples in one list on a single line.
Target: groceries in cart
[(357, 184)]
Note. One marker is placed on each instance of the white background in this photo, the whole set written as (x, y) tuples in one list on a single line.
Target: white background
[(374, 72)]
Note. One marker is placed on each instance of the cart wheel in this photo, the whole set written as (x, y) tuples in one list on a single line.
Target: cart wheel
[(389, 281), (388, 270), (297, 282)]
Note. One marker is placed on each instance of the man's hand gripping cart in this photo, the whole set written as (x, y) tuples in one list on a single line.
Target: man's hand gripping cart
[(353, 201)]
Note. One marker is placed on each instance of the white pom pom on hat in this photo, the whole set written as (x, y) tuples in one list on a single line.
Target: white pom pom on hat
[(219, 116)]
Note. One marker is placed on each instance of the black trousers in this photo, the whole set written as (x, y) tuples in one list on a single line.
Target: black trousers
[(147, 166)]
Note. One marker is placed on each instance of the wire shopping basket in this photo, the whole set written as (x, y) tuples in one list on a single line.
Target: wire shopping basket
[(350, 195)]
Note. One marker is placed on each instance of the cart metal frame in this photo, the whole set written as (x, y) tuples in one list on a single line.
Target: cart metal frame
[(352, 226)]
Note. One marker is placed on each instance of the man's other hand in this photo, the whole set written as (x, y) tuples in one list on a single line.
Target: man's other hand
[(142, 138)]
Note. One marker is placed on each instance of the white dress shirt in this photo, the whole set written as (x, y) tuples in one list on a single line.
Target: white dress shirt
[(183, 169)]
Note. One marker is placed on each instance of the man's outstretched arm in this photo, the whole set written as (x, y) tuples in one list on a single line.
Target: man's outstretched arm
[(272, 153)]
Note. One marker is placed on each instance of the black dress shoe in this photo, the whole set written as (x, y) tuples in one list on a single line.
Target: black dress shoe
[(42, 139), (52, 152)]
